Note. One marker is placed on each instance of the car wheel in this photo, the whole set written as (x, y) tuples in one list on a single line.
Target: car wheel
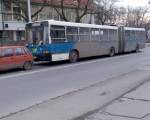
[(27, 66)]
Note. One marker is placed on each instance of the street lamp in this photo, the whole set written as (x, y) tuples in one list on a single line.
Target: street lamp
[(29, 10)]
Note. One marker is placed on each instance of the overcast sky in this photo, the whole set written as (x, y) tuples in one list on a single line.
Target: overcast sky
[(133, 3)]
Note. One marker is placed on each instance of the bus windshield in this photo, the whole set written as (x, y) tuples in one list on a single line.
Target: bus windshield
[(37, 35)]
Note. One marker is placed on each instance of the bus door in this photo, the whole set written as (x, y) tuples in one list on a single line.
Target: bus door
[(95, 42), (84, 42), (133, 41), (105, 42), (59, 42), (121, 36), (130, 40)]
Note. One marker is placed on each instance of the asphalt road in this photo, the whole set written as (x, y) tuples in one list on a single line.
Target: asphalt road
[(19, 89)]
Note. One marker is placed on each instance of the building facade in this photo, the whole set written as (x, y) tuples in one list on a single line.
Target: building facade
[(0, 14), (13, 25)]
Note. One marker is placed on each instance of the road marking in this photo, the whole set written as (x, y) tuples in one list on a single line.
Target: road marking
[(66, 66), (146, 67)]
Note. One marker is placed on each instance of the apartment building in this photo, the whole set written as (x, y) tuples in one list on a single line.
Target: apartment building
[(14, 25)]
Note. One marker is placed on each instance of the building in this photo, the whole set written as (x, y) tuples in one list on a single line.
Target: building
[(14, 25)]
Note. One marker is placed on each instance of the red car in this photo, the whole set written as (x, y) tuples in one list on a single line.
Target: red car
[(15, 57)]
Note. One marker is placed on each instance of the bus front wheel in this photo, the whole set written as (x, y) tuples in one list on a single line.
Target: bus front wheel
[(73, 56)]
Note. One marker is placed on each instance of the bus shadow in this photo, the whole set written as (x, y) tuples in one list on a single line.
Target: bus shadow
[(47, 64), (65, 62), (39, 65)]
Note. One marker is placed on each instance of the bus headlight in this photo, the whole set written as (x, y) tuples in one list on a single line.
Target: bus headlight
[(46, 52)]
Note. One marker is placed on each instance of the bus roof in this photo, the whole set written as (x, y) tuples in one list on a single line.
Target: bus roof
[(135, 29), (62, 23)]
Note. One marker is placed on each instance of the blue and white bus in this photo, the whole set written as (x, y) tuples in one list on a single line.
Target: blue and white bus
[(52, 40)]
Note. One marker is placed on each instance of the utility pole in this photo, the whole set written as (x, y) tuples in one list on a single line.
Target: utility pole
[(29, 11)]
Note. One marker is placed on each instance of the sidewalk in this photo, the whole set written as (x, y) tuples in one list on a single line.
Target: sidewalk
[(132, 106)]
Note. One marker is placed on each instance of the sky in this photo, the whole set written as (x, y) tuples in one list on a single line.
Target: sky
[(133, 3)]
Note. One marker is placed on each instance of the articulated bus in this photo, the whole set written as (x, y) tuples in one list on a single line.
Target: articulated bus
[(52, 40)]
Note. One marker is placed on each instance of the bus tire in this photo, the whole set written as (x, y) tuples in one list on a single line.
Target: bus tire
[(112, 52), (137, 49), (27, 65), (73, 56)]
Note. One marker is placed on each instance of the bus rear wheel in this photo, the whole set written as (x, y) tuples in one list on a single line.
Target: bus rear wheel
[(137, 49), (112, 52), (73, 56)]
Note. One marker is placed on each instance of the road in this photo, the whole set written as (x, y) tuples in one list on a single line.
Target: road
[(19, 90)]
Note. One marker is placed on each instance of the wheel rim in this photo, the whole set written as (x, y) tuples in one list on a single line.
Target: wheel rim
[(112, 52), (27, 66), (73, 57)]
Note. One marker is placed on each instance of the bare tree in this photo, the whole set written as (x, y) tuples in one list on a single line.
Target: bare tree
[(22, 5), (121, 16), (81, 8), (105, 11), (136, 17)]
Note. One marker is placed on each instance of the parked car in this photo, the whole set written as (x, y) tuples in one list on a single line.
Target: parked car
[(15, 57)]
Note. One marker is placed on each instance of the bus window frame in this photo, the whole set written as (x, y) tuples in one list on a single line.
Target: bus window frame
[(52, 39), (81, 34), (73, 34), (94, 35), (104, 35)]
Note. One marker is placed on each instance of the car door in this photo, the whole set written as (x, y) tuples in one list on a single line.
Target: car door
[(1, 60), (27, 55), (19, 56), (6, 59)]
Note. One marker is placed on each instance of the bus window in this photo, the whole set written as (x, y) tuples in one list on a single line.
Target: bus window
[(84, 34), (57, 34), (104, 36), (72, 33), (95, 35), (132, 35), (136, 35), (127, 35), (112, 35)]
